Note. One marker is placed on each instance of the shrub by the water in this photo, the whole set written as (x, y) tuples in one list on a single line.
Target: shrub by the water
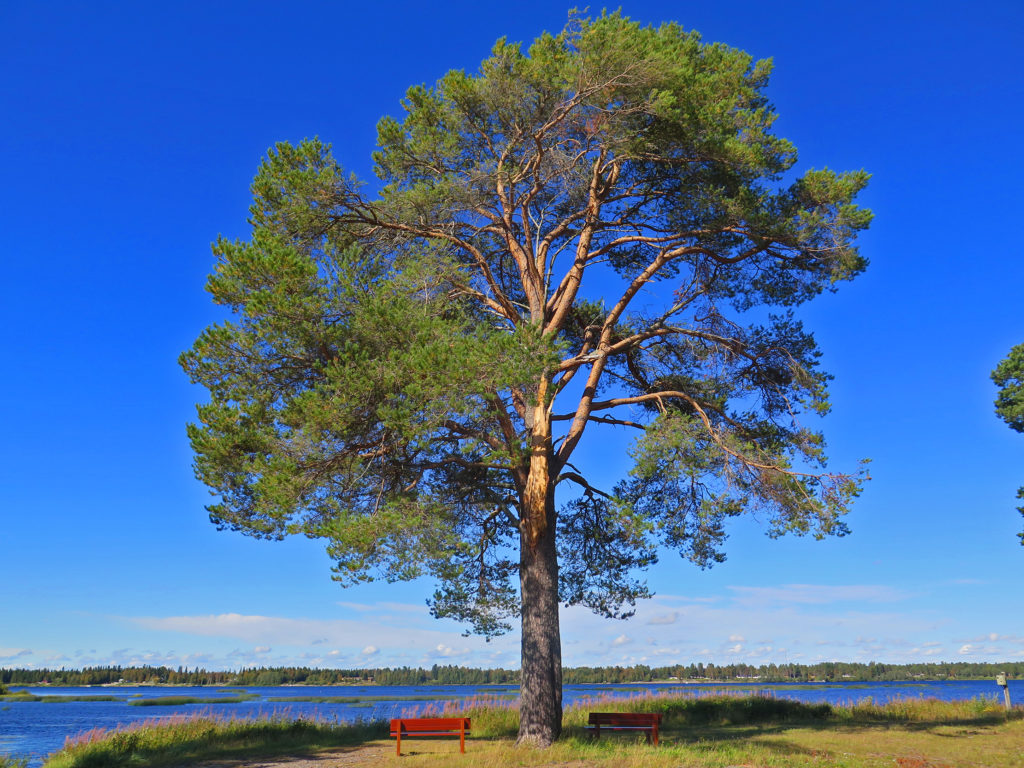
[(174, 701), (925, 710)]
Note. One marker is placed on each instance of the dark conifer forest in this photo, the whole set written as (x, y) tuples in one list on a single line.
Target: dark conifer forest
[(832, 671)]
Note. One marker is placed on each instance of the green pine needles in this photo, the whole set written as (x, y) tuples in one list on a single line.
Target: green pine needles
[(596, 236), (1009, 377)]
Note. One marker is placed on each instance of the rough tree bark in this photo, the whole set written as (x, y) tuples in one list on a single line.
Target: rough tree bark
[(541, 687)]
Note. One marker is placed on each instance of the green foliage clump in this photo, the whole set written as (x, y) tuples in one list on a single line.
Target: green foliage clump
[(1009, 377), (389, 378), (926, 710), (173, 701)]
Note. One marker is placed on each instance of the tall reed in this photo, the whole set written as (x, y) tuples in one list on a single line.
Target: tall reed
[(185, 738)]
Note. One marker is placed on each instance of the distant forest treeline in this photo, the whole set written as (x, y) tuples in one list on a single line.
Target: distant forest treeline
[(445, 675)]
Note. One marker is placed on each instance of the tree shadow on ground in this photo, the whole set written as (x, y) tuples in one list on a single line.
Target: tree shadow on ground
[(271, 741), (711, 739)]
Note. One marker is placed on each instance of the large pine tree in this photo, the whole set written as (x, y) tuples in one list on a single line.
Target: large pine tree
[(599, 233)]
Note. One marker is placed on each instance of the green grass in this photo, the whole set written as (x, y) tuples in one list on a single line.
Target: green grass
[(13, 762), (188, 740), (173, 701), (702, 731)]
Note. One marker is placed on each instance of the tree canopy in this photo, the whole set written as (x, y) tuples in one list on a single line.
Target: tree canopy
[(598, 233), (1009, 377)]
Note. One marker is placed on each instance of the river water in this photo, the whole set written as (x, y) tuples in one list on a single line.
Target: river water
[(35, 729)]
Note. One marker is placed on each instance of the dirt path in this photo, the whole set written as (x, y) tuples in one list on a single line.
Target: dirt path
[(367, 756), (343, 757)]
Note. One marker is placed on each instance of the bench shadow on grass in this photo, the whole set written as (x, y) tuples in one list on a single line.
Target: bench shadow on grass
[(710, 739)]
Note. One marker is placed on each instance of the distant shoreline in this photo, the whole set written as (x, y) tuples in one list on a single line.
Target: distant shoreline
[(434, 684), (694, 673)]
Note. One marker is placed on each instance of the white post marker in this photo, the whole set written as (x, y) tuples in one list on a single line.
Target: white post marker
[(1001, 681)]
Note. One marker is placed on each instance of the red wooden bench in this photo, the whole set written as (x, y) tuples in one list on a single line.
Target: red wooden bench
[(626, 721), (430, 726)]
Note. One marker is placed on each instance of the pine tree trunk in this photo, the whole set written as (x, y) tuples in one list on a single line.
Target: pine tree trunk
[(540, 706)]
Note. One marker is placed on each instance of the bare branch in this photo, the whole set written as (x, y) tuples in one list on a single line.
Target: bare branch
[(582, 482)]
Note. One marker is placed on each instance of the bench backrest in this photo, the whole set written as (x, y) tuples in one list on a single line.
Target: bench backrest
[(418, 724), (625, 718)]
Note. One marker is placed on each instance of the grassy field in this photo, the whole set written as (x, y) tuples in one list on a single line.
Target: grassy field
[(697, 732), (173, 701)]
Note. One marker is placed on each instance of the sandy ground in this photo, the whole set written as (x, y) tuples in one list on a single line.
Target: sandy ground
[(346, 757), (369, 756)]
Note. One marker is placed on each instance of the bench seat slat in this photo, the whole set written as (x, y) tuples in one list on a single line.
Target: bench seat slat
[(632, 718)]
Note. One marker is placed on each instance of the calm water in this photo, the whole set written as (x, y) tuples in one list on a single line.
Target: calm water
[(37, 728)]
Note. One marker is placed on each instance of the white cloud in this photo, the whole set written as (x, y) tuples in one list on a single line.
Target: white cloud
[(622, 640), (818, 594), (664, 618), (446, 651), (966, 650), (286, 631), (403, 635), (666, 651), (260, 649), (370, 650), (736, 639)]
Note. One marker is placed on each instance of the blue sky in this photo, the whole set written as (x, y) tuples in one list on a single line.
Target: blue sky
[(130, 132)]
